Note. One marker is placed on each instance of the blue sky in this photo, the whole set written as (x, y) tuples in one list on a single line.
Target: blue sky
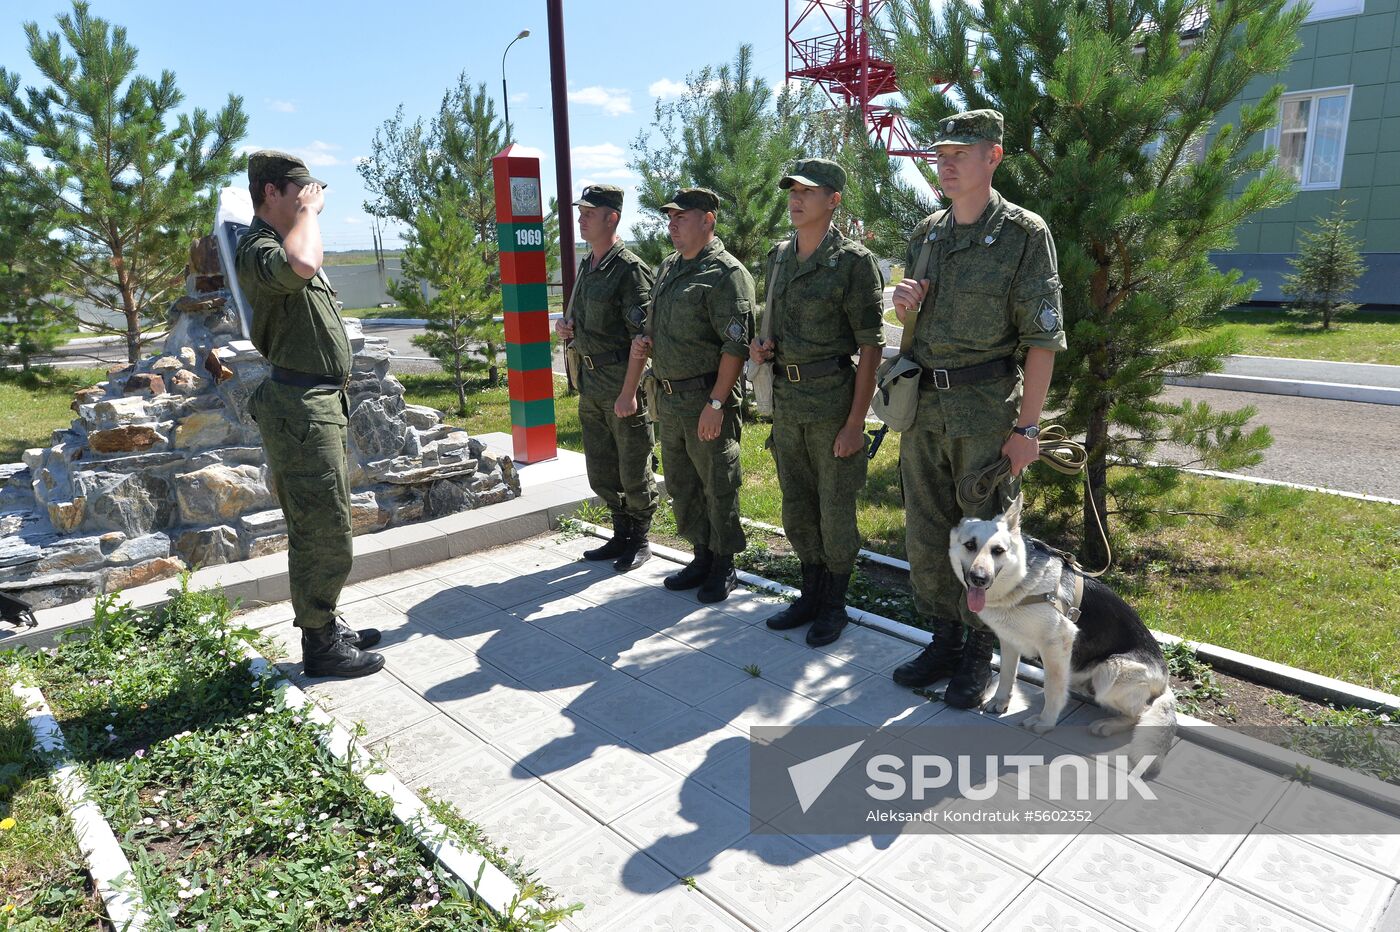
[(321, 77)]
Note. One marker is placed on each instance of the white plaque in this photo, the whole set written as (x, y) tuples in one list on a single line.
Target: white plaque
[(525, 197)]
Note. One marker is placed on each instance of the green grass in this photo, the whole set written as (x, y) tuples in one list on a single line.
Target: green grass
[(1372, 337), (225, 801), (42, 880), (372, 313), (33, 404)]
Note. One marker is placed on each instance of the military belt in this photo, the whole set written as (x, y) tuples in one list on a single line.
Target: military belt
[(597, 360), (672, 386), (942, 379), (811, 370), (306, 379)]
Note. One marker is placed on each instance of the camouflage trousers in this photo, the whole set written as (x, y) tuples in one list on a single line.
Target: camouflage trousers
[(930, 465), (703, 479), (819, 492), (617, 452), (307, 470)]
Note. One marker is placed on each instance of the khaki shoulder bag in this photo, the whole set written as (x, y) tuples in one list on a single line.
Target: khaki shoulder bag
[(760, 376), (896, 399)]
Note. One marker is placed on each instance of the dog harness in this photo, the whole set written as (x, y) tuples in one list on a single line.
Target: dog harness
[(1067, 594)]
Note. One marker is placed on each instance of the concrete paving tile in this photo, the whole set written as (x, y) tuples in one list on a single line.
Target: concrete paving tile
[(755, 646), (385, 712), (694, 676), (689, 740), (678, 909), (524, 649), (1356, 832), (772, 882), (1330, 890), (855, 854), (860, 907), (614, 781), (870, 649), (878, 701), (420, 649), (1041, 908), (498, 711), (683, 828), (945, 880), (1206, 836), (1222, 781), (654, 608), (638, 657), (1140, 887), (1227, 908), (590, 630), (564, 682), (814, 675), (608, 875), (535, 824), (758, 702), (554, 743), (476, 781), (424, 746), (626, 711)]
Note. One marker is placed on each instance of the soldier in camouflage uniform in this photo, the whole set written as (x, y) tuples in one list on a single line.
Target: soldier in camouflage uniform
[(608, 310), (827, 303), (301, 407), (991, 289), (701, 318)]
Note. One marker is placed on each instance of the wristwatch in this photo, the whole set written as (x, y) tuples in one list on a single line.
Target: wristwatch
[(1030, 432), (717, 404)]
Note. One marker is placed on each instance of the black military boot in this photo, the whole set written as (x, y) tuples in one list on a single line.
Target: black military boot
[(637, 549), (974, 673), (364, 638), (694, 573), (831, 617), (324, 653), (614, 547), (808, 602), (721, 580), (938, 661)]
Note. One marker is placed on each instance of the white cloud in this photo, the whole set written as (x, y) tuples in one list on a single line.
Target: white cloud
[(528, 152), (281, 106), (793, 83), (519, 97), (604, 161), (666, 88), (354, 219), (615, 101), (319, 154)]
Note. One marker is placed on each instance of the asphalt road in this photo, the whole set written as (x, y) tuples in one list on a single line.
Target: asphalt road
[(1333, 444)]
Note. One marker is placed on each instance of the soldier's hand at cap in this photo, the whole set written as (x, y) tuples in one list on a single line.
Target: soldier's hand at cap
[(312, 197), (909, 293), (760, 351)]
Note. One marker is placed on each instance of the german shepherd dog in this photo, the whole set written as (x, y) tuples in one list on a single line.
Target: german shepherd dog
[(1023, 590)]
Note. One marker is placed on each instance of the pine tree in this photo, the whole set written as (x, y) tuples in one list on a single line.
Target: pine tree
[(435, 178), (1327, 269), (448, 281), (129, 189), (1113, 135), (30, 275)]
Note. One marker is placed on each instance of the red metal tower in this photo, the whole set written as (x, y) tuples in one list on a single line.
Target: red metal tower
[(845, 66)]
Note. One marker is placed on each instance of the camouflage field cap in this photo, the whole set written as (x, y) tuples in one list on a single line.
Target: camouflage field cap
[(693, 199), (271, 165), (815, 173), (601, 195), (970, 128)]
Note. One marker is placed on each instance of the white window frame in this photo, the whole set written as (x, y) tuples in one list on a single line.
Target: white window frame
[(1334, 9), (1275, 134)]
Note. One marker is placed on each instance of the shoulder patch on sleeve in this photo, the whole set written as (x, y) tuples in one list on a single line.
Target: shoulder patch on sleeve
[(1048, 317), (735, 331)]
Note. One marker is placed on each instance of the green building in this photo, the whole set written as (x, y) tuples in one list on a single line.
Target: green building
[(1339, 134)]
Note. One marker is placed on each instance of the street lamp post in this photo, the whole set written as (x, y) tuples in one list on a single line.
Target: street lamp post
[(505, 95)]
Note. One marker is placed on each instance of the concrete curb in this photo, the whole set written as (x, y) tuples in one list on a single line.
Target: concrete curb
[(1323, 775), (1265, 672), (1332, 391), (476, 873), (421, 322), (106, 862)]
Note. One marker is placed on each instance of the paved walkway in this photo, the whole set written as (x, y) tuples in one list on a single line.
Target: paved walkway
[(595, 724)]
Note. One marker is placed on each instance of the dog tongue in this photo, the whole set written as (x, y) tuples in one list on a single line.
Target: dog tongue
[(976, 599)]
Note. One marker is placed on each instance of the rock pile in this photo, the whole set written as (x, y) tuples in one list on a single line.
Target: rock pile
[(163, 469)]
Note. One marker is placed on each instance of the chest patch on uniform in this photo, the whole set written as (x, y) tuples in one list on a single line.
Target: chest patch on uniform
[(1047, 318), (735, 331)]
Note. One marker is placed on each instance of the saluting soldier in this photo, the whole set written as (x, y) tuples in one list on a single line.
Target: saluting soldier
[(701, 318), (827, 301), (301, 407), (991, 289), (608, 311)]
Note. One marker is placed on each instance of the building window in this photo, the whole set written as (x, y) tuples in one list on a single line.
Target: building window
[(1331, 9), (1312, 136)]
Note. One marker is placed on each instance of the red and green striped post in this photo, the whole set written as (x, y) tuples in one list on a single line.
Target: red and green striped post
[(520, 236)]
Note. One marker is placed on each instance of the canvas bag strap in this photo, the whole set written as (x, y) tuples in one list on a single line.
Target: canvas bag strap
[(569, 308), (911, 316), (767, 328)]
